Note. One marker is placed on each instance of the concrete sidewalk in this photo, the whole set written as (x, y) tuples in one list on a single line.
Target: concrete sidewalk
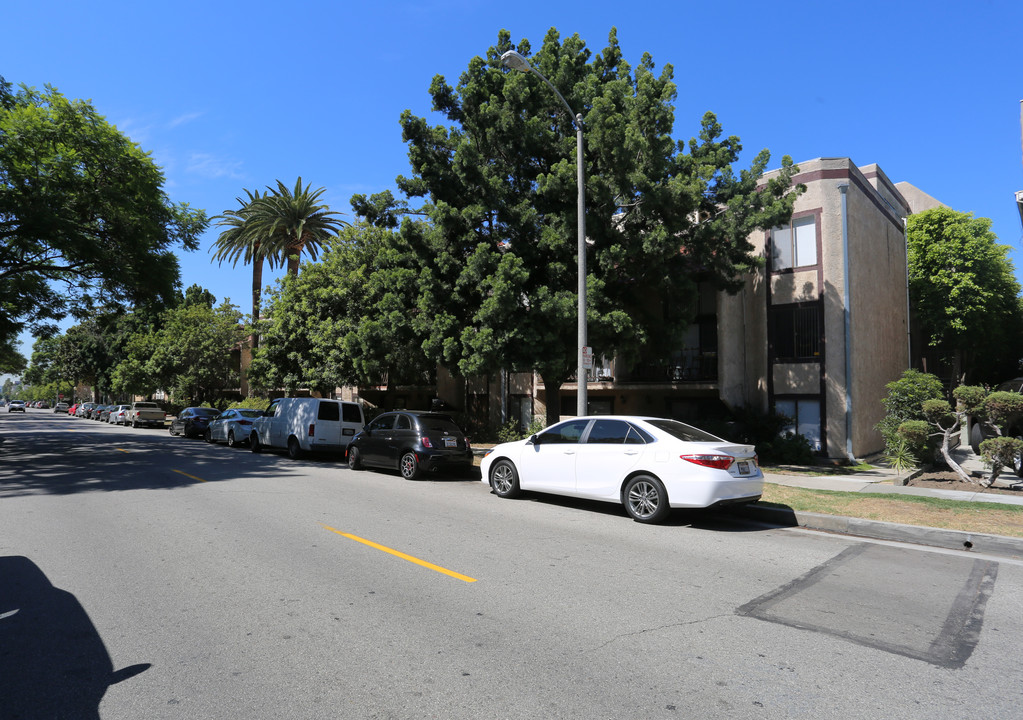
[(883, 480)]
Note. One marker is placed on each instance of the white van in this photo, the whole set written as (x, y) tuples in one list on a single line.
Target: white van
[(301, 425)]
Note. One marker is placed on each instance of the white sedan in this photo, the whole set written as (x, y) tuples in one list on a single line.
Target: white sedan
[(649, 465)]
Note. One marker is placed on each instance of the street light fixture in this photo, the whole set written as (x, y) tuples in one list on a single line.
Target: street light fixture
[(515, 61)]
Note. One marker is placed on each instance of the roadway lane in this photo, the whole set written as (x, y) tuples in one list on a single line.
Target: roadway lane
[(159, 577)]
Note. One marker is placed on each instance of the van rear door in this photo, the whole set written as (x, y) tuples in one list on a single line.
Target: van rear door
[(326, 428)]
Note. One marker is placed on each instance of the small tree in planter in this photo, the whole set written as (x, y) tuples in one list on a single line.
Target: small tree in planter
[(999, 451), (939, 414)]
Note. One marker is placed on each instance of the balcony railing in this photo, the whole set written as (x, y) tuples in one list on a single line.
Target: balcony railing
[(689, 367)]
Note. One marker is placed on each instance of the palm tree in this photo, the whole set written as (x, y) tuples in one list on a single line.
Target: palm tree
[(238, 242), (290, 222)]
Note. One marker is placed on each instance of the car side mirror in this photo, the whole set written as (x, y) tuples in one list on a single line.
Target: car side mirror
[(534, 440)]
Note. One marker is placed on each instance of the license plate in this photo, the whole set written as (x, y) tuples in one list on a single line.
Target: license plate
[(450, 442), (743, 467)]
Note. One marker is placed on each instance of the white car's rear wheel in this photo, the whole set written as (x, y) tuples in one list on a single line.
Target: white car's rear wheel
[(645, 499)]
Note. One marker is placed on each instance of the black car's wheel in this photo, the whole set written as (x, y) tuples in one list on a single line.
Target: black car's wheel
[(170, 429), (354, 461), (646, 500), (294, 449), (409, 466), (254, 444), (504, 479), (231, 442), (209, 435)]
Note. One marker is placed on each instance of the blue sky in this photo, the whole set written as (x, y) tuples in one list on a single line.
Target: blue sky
[(229, 95)]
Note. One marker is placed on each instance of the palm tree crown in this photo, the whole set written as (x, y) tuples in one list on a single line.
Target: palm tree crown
[(290, 222)]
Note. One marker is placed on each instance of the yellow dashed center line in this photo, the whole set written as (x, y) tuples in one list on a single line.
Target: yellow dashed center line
[(402, 555), (199, 479), (120, 450)]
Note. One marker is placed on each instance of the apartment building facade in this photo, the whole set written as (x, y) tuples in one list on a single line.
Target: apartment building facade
[(816, 334)]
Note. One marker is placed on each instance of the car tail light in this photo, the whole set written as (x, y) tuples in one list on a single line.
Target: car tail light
[(312, 429), (718, 462), (426, 442)]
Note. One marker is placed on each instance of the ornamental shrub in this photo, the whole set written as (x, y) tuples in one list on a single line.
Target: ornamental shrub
[(914, 436), (905, 400)]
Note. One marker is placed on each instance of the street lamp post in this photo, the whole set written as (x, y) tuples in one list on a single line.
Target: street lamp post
[(515, 61)]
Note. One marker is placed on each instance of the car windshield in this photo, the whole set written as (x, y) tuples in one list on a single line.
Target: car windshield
[(205, 412), (250, 413), (682, 431)]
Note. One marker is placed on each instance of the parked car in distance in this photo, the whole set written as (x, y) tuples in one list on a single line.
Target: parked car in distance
[(301, 425), (118, 415), (232, 426), (16, 406), (146, 413), (60, 407), (192, 422), (102, 413), (43, 405), (413, 443), (649, 465), (84, 408)]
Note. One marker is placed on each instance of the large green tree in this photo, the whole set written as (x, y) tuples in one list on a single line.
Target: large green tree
[(83, 214), (498, 257), (194, 350), (345, 319), (964, 293)]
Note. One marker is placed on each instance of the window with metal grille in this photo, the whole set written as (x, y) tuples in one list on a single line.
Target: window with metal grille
[(795, 331)]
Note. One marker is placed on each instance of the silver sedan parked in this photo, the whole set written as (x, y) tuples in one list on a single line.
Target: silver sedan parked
[(232, 426)]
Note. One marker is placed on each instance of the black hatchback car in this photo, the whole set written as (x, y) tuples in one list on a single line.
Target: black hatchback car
[(192, 422), (413, 443)]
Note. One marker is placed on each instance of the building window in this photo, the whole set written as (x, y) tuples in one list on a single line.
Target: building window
[(795, 331), (805, 416), (794, 245)]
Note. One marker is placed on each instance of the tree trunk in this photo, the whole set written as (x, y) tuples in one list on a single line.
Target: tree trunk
[(257, 294), (294, 256), (946, 453)]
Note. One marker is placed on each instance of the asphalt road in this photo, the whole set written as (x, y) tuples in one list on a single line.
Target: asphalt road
[(148, 576)]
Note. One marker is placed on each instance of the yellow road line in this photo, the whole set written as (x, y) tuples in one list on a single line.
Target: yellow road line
[(120, 450), (187, 475), (402, 555)]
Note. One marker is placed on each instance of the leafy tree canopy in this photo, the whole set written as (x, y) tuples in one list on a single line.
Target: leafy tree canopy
[(497, 278), (965, 294), (344, 320), (83, 214)]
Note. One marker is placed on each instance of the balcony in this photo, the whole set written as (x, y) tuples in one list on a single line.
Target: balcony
[(689, 366)]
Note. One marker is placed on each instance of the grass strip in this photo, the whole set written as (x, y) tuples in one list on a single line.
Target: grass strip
[(976, 517)]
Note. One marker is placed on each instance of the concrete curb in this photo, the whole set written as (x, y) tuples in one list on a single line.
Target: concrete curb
[(879, 530)]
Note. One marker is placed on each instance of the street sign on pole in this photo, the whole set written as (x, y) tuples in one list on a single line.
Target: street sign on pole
[(588, 358)]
